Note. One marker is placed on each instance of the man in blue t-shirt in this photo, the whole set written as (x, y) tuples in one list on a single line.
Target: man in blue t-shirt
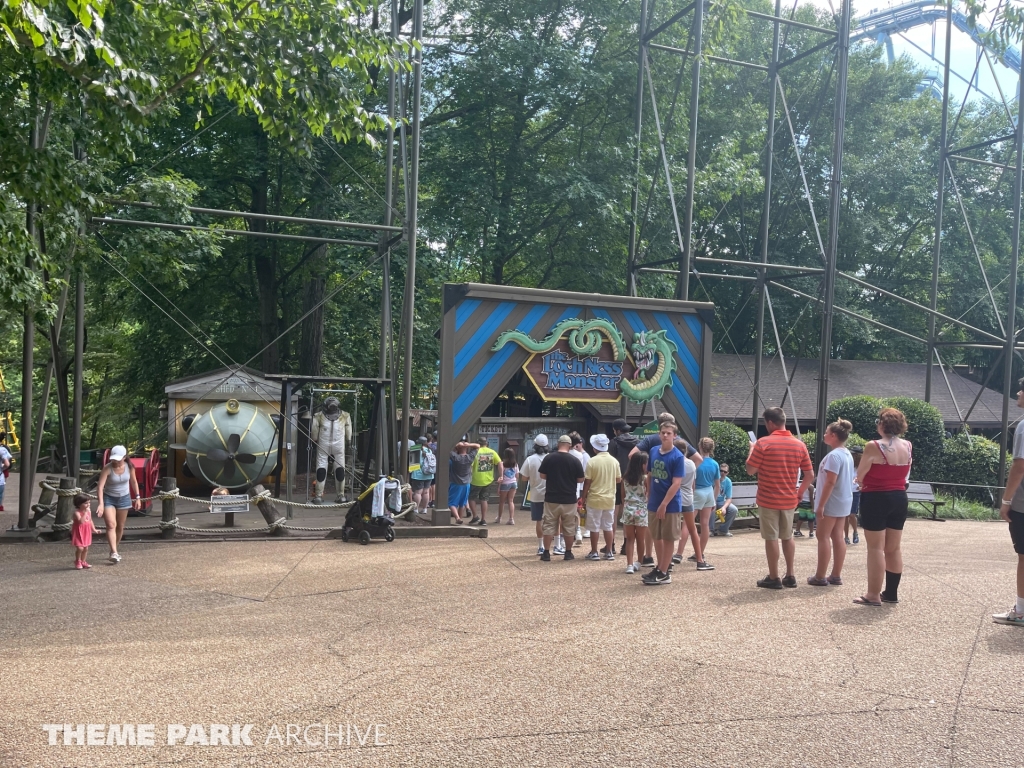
[(666, 468), (724, 505)]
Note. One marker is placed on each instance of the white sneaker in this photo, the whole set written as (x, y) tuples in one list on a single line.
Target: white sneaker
[(115, 558), (586, 534), (579, 537), (540, 549), (558, 550), (609, 555), (1011, 617), (632, 568)]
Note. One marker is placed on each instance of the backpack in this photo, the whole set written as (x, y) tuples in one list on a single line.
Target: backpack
[(428, 462)]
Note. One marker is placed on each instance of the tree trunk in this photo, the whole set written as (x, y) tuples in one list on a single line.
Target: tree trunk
[(264, 258), (311, 346)]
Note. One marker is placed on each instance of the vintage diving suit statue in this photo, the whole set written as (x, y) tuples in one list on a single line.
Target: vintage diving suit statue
[(331, 429)]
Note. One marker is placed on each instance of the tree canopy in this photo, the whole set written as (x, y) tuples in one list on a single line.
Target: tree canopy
[(275, 107)]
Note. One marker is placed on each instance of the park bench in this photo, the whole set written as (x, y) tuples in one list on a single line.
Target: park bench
[(744, 497), (924, 494)]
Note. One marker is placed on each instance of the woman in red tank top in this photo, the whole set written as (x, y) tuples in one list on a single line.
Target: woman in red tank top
[(883, 475)]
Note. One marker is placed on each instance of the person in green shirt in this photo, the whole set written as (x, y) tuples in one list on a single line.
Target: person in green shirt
[(487, 466)]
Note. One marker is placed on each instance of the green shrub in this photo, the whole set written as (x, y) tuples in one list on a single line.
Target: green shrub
[(926, 431), (969, 460), (732, 445), (810, 438), (859, 410)]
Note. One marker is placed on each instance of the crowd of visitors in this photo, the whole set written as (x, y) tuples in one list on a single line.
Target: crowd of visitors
[(659, 489), (665, 494)]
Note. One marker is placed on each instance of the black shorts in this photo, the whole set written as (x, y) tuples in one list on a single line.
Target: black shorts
[(536, 511), (419, 485), (883, 509), (1017, 531)]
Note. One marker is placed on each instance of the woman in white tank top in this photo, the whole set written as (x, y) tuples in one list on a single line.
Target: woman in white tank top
[(118, 492)]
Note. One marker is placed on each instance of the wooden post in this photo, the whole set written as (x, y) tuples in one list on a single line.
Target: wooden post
[(269, 511), (167, 506), (42, 507), (65, 507)]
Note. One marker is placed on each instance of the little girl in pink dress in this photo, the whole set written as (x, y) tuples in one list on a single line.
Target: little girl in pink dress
[(82, 529)]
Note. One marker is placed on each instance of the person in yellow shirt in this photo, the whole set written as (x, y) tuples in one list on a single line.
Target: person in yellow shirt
[(487, 466), (601, 477)]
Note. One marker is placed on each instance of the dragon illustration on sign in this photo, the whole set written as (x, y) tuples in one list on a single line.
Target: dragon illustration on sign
[(585, 337), (646, 346)]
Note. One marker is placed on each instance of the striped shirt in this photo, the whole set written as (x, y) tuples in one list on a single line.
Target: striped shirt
[(778, 459)]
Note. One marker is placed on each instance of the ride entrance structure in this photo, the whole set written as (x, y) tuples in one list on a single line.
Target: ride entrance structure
[(575, 348)]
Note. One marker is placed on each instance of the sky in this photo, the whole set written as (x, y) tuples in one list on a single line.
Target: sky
[(964, 52)]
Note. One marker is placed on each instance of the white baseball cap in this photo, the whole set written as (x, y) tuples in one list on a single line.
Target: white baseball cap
[(118, 452), (600, 442), (541, 440)]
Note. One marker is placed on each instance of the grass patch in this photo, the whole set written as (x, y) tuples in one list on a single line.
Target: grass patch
[(957, 509)]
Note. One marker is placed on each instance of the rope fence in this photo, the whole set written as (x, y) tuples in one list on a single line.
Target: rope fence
[(280, 523)]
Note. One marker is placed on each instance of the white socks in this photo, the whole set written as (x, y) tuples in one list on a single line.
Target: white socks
[(1020, 605)]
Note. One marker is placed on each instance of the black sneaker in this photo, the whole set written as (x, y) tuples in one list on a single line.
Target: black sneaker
[(474, 521), (663, 578), (546, 557), (677, 558), (789, 581), (483, 522), (623, 550), (692, 558), (647, 562), (706, 566), (604, 550), (568, 555), (653, 577), (769, 583)]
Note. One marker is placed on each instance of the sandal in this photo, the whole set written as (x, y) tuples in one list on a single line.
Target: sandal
[(835, 581), (814, 581), (864, 601)]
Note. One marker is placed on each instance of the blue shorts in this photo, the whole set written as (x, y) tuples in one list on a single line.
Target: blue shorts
[(458, 495), (117, 502), (536, 511)]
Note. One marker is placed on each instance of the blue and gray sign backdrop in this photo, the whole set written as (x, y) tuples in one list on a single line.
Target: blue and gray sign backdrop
[(473, 375)]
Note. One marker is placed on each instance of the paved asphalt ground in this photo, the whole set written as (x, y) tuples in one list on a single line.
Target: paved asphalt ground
[(451, 652)]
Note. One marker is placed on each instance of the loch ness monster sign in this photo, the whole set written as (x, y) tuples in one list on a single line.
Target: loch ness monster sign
[(574, 347)]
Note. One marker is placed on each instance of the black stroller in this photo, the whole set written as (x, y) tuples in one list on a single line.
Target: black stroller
[(362, 523)]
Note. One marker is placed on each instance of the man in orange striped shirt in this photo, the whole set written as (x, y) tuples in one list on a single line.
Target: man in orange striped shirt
[(777, 459)]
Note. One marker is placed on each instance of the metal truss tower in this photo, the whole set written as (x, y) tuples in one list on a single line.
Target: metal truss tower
[(768, 275)]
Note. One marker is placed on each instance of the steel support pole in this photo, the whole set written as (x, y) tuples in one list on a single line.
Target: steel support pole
[(28, 340), (686, 257), (1011, 312), (940, 202), (762, 274), (386, 325), (79, 375), (409, 308), (835, 204), (638, 110)]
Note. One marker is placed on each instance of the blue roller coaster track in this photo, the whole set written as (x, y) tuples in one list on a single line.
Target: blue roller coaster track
[(881, 25)]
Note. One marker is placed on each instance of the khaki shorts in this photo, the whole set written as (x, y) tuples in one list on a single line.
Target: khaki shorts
[(775, 523), (666, 529), (553, 513)]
